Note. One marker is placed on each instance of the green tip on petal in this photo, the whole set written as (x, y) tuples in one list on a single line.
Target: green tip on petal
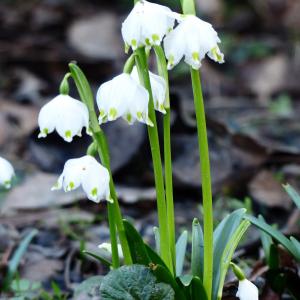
[(102, 113), (129, 118), (216, 53), (127, 47), (7, 184), (155, 38), (94, 192), (139, 115), (134, 44), (71, 185), (195, 56), (68, 134), (113, 113)]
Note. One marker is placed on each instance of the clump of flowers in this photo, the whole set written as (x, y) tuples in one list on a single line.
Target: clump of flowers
[(135, 95)]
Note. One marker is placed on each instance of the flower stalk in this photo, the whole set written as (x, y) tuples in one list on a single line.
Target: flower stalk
[(163, 72), (102, 147), (142, 67)]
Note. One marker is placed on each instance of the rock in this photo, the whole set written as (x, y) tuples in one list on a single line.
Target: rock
[(35, 193), (97, 37), (268, 191), (264, 78), (134, 194)]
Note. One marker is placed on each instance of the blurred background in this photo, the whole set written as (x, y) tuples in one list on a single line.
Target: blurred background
[(253, 113)]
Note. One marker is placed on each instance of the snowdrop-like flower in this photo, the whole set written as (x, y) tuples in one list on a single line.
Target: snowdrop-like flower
[(192, 38), (107, 247), (147, 24), (64, 114), (88, 173), (159, 89), (247, 290), (6, 173), (123, 97)]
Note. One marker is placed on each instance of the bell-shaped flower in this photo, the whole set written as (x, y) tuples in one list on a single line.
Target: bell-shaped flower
[(147, 24), (107, 248), (87, 172), (6, 173), (192, 39), (123, 97), (247, 290), (64, 114), (158, 87)]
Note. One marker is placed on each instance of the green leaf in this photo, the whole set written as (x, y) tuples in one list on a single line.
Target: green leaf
[(186, 279), (222, 235), (98, 257), (293, 194), (15, 260), (136, 244), (135, 282), (296, 245), (266, 241), (197, 289), (89, 288), (157, 239), (154, 257), (277, 235), (164, 275), (227, 257), (180, 252), (188, 7), (197, 249)]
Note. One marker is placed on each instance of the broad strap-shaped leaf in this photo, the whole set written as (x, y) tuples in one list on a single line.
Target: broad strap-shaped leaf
[(197, 249), (136, 244), (134, 282), (180, 252), (197, 290), (266, 241), (222, 235), (277, 235), (154, 257), (227, 257), (98, 257), (164, 275), (293, 194)]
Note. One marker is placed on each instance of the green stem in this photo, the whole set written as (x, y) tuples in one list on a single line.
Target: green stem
[(163, 72), (113, 236), (142, 66), (206, 182), (86, 96)]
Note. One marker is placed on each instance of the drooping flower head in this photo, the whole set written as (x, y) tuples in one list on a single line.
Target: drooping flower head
[(6, 173), (88, 173), (159, 89), (192, 39), (64, 114), (247, 290), (123, 97), (147, 24), (107, 247)]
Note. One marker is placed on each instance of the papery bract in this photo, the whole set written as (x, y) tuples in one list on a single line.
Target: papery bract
[(158, 86), (64, 114), (123, 97), (247, 290), (87, 172), (147, 24), (193, 39), (6, 173)]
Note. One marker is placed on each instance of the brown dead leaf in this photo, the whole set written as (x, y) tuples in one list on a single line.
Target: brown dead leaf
[(268, 191)]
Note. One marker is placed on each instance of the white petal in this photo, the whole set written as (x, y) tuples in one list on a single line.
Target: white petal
[(247, 290), (6, 173), (192, 38), (107, 247), (65, 114), (95, 181), (147, 24)]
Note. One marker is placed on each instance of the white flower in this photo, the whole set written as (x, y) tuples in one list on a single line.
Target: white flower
[(147, 24), (107, 247), (192, 38), (65, 114), (158, 87), (123, 97), (247, 290), (6, 173), (88, 173)]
